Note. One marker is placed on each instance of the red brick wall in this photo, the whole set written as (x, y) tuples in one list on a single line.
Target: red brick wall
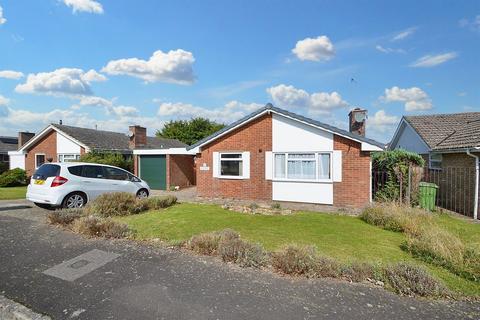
[(180, 171), (255, 137), (135, 165), (354, 190), (46, 145)]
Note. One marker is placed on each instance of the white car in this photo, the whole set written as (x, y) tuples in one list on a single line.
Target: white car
[(73, 184)]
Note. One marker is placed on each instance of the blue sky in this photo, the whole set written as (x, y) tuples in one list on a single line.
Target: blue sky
[(113, 63)]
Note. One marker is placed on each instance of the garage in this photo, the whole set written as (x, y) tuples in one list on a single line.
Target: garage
[(153, 169)]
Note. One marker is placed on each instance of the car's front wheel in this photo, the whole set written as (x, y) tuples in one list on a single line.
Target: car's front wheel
[(142, 194), (74, 200)]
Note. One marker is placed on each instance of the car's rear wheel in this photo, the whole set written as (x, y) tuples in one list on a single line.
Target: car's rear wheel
[(74, 200), (142, 194), (43, 205)]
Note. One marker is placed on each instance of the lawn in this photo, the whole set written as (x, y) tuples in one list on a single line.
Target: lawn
[(342, 237), (12, 193)]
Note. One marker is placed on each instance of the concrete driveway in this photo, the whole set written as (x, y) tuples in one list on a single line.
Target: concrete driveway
[(124, 280)]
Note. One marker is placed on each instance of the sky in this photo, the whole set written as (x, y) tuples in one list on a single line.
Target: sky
[(111, 63)]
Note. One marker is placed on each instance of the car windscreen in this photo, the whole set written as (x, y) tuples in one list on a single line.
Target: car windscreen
[(45, 171)]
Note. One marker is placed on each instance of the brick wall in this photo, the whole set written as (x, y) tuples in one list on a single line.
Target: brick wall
[(46, 145), (135, 165), (180, 171), (255, 137), (354, 190)]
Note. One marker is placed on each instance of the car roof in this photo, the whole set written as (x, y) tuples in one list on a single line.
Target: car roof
[(72, 163)]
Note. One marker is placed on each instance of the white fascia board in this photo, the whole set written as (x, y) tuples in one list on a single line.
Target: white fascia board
[(179, 151), (16, 153), (370, 147), (42, 133)]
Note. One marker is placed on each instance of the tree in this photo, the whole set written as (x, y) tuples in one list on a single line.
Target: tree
[(189, 131), (110, 158)]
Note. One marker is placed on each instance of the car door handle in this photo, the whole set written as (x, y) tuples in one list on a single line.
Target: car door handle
[(86, 181)]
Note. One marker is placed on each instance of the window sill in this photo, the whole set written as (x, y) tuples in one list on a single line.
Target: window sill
[(303, 180), (232, 177)]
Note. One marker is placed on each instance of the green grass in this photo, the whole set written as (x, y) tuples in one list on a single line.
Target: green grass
[(342, 237), (12, 193)]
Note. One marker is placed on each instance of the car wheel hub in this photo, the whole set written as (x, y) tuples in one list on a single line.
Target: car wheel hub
[(75, 201), (142, 194)]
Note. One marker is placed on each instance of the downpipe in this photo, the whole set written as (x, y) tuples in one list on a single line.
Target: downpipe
[(475, 209)]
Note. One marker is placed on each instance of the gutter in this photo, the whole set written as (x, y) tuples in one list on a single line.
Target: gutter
[(477, 168)]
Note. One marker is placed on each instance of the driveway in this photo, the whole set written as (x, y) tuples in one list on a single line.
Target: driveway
[(124, 280)]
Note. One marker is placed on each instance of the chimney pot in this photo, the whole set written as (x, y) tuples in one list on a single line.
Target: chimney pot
[(138, 136), (357, 121)]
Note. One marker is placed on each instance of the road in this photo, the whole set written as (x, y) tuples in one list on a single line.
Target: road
[(126, 280)]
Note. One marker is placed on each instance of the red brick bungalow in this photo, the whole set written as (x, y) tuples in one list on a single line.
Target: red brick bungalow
[(273, 154)]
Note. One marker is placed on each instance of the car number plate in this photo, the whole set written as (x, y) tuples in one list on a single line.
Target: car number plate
[(39, 181)]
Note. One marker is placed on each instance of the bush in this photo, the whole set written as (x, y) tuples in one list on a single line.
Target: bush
[(13, 178), (361, 271), (327, 267), (93, 226), (394, 217), (109, 158), (242, 252), (276, 206), (295, 260), (155, 203), (3, 167), (116, 204), (411, 280), (205, 243), (64, 217)]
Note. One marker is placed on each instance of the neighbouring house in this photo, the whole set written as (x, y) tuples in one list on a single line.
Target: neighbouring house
[(450, 145), (273, 154), (6, 144), (60, 143)]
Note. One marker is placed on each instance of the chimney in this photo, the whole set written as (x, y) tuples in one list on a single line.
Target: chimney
[(357, 121), (60, 122), (23, 138), (138, 137)]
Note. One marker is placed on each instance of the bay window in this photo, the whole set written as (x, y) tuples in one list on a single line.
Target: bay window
[(314, 166)]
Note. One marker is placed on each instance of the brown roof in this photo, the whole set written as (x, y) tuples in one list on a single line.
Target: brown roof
[(113, 141), (448, 131)]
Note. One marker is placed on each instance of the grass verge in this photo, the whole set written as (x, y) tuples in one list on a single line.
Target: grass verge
[(12, 193)]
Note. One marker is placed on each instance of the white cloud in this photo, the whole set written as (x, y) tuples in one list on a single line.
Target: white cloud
[(123, 111), (314, 49), (61, 82), (381, 121), (388, 50), (473, 24), (404, 34), (90, 6), (415, 98), (433, 60), (10, 74), (2, 19), (233, 110), (317, 103), (4, 101), (174, 66), (95, 101)]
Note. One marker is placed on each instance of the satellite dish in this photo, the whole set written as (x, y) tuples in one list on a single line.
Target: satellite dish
[(359, 116)]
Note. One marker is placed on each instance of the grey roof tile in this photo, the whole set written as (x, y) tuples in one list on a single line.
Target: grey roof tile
[(448, 131), (8, 144)]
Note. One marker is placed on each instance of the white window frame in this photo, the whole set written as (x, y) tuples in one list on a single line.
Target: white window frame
[(40, 154), (241, 159), (76, 156), (316, 159), (430, 160)]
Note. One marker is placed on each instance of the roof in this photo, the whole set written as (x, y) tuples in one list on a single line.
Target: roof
[(270, 107), (8, 144), (448, 131), (111, 141)]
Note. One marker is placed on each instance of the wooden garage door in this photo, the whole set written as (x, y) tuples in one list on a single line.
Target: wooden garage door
[(153, 169)]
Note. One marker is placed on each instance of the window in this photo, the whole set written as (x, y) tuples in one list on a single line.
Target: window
[(68, 157), (231, 165), (46, 171), (115, 174), (315, 166), (93, 172), (76, 170), (39, 159), (435, 161)]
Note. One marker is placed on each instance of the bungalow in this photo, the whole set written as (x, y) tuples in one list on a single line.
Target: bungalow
[(273, 154), (6, 144), (61, 143)]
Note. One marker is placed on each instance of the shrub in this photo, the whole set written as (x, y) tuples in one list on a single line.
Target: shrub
[(64, 217), (327, 267), (411, 280), (116, 204), (205, 243), (93, 226), (295, 260), (394, 217), (471, 260), (155, 203), (360, 271), (13, 178), (253, 206), (276, 206), (3, 167), (233, 249), (109, 158)]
